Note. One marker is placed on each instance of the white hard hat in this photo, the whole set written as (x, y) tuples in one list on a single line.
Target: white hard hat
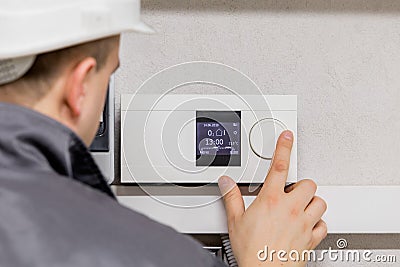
[(32, 27)]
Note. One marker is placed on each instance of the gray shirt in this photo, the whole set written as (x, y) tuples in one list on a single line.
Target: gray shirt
[(57, 210)]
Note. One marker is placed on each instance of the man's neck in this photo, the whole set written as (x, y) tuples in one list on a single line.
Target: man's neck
[(16, 94)]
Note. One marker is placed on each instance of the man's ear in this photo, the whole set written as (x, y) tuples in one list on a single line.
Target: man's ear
[(77, 83)]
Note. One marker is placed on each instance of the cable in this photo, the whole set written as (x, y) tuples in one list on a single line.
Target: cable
[(226, 244)]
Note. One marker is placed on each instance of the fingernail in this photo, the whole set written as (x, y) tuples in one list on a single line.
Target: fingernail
[(288, 135), (225, 184)]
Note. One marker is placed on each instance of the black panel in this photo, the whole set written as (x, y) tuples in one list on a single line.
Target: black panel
[(218, 138), (101, 142)]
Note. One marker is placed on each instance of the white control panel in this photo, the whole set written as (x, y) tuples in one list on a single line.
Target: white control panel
[(197, 138)]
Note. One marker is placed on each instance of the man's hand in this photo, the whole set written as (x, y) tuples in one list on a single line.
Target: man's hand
[(279, 219)]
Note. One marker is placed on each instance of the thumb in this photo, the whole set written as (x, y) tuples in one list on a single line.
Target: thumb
[(233, 201)]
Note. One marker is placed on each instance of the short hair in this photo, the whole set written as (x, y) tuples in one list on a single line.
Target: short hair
[(48, 66)]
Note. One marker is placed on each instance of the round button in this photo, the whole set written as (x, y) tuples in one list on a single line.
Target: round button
[(263, 136)]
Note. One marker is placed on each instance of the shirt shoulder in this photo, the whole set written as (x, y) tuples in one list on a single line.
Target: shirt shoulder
[(51, 220)]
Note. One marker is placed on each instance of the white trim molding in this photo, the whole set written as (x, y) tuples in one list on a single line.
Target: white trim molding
[(351, 209)]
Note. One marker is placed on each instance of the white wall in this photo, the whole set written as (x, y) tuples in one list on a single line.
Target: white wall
[(342, 59)]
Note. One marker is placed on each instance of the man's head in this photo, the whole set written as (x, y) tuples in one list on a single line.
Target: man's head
[(68, 85)]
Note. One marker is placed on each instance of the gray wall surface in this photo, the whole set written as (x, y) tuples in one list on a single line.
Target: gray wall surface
[(342, 59)]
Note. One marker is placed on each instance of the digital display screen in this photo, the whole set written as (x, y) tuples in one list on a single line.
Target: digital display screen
[(218, 138)]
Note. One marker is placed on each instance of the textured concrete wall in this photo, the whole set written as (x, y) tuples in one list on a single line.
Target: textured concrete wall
[(342, 59)]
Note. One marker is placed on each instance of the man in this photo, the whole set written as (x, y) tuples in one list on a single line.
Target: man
[(55, 207)]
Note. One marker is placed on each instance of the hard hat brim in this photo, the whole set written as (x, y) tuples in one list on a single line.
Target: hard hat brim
[(39, 27), (142, 27)]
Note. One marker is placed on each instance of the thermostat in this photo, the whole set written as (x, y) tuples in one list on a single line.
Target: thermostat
[(184, 139)]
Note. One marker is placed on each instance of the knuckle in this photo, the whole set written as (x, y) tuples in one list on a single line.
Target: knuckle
[(294, 213), (272, 198), (321, 203), (309, 237), (310, 184), (321, 234), (323, 225), (324, 230), (280, 165)]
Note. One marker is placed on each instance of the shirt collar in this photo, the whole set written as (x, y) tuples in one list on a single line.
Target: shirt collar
[(33, 141)]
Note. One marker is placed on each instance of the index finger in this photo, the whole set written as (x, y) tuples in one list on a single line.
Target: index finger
[(278, 172)]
